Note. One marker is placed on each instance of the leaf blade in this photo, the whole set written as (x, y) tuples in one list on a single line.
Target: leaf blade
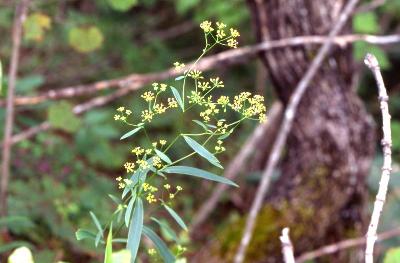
[(163, 156), (108, 254), (130, 133), (135, 229), (176, 217), (199, 173), (177, 96), (198, 148), (162, 248)]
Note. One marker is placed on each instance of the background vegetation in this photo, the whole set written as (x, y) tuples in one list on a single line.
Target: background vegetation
[(61, 175)]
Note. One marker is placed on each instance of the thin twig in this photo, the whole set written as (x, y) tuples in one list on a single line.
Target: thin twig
[(20, 15), (262, 132), (370, 6), (287, 247), (226, 57), (373, 65), (285, 129), (78, 109), (345, 244), (137, 81)]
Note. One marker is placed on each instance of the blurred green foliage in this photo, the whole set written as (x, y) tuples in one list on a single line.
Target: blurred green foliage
[(59, 176)]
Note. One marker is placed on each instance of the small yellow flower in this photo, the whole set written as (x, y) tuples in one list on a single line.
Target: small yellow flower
[(148, 151), (171, 196), (121, 109), (179, 188), (172, 103), (147, 115), (129, 167), (232, 43), (220, 25), (148, 96), (167, 186), (206, 26), (154, 144), (128, 112), (163, 87), (138, 151), (119, 178), (117, 117), (151, 198), (121, 185), (178, 66), (195, 74), (234, 33), (217, 82), (128, 181), (163, 142), (151, 251)]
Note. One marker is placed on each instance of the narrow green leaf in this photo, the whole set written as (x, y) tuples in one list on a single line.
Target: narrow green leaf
[(129, 210), (180, 77), (167, 230), (162, 248), (115, 199), (163, 156), (98, 238), (177, 218), (135, 229), (202, 151), (177, 96), (130, 133), (226, 135), (201, 124), (199, 173), (97, 223), (84, 234), (108, 255)]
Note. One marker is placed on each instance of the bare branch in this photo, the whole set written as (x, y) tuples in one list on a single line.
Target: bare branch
[(20, 15), (285, 128), (370, 6), (207, 63), (373, 65), (287, 247), (345, 244)]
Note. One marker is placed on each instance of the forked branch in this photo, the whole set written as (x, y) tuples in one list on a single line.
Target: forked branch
[(373, 65)]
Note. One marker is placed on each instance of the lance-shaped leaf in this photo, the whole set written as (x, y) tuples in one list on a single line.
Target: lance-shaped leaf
[(198, 173), (166, 230), (198, 148), (163, 156), (177, 96), (176, 217), (130, 133), (84, 234), (108, 254), (97, 223), (129, 208), (162, 248), (135, 229)]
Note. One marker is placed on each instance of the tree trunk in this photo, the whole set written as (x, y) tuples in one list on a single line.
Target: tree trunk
[(322, 191)]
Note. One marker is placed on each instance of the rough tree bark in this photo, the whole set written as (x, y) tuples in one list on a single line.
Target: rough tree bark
[(321, 193)]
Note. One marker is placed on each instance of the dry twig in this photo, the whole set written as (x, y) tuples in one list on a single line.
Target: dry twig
[(226, 57), (373, 65), (285, 128), (345, 244), (287, 247), (20, 15)]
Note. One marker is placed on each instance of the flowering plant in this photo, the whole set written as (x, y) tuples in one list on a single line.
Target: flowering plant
[(148, 173)]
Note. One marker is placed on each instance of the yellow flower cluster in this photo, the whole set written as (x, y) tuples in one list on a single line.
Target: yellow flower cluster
[(123, 183), (221, 36), (219, 148), (172, 195), (122, 114), (129, 167), (249, 106), (178, 66), (150, 190)]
